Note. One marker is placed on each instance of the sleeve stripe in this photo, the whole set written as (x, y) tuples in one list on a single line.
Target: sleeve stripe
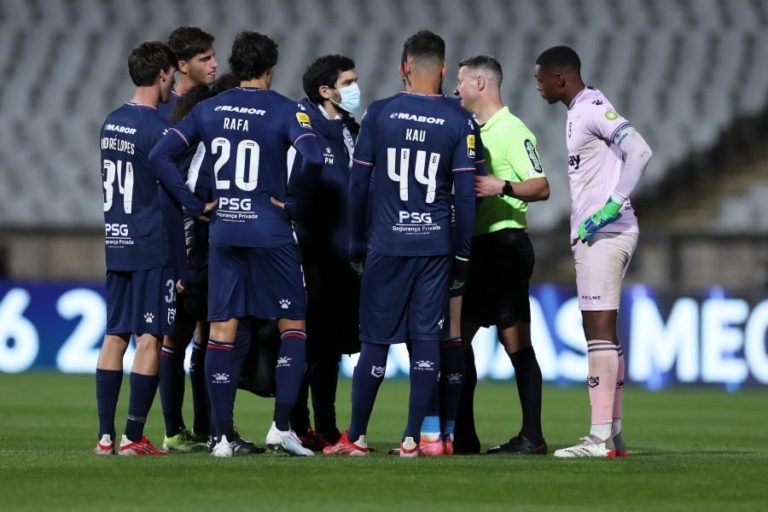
[(362, 162), (180, 135), (464, 169), (302, 136), (618, 128)]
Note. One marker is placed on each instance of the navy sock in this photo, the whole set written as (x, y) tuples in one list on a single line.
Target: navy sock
[(431, 424), (289, 374), (528, 377), (300, 412), (425, 372), (143, 389), (366, 380), (201, 424), (323, 379), (107, 391), (452, 364), (180, 376), (218, 370), (169, 394), (240, 351)]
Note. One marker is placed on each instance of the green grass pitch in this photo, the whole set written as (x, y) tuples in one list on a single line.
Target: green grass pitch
[(690, 449)]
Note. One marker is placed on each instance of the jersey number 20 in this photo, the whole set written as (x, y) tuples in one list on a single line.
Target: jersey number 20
[(245, 149)]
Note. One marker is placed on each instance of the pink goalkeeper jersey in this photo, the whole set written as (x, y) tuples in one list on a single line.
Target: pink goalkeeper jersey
[(593, 132)]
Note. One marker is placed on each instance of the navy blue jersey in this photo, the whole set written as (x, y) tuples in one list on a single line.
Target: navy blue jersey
[(173, 209), (164, 109), (247, 133), (325, 229), (135, 227), (415, 144)]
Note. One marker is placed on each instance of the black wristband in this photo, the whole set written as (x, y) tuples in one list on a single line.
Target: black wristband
[(507, 190)]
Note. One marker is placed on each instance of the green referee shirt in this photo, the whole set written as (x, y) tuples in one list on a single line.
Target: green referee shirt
[(510, 154)]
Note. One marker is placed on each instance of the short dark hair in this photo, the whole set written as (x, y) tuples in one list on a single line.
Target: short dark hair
[(188, 41), (560, 57), (252, 55), (147, 60), (198, 93), (485, 62), (324, 71), (424, 45)]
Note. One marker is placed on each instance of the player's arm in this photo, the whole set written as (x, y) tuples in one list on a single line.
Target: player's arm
[(305, 176), (463, 167), (636, 154), (162, 160), (359, 182), (526, 164)]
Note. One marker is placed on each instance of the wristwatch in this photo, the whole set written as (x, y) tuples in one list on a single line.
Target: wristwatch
[(507, 189)]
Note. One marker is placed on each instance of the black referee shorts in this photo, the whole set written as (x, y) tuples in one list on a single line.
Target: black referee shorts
[(500, 269)]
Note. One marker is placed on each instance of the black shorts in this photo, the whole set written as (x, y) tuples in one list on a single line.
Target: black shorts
[(333, 319), (500, 271)]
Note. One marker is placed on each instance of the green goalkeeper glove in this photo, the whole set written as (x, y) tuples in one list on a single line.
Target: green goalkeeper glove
[(604, 216)]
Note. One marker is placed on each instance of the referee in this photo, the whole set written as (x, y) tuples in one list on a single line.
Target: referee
[(502, 254)]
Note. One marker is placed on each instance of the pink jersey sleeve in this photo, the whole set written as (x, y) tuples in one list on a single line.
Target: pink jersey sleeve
[(605, 123)]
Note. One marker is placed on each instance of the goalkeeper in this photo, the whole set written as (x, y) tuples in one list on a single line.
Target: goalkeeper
[(606, 158)]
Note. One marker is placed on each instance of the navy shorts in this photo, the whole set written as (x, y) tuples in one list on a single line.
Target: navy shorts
[(403, 298), (253, 281), (141, 301)]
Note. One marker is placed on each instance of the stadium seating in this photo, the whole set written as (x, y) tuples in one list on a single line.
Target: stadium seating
[(681, 71)]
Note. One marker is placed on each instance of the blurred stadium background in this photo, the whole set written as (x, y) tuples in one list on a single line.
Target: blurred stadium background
[(690, 74)]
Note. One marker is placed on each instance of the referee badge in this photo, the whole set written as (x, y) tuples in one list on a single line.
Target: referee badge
[(533, 156)]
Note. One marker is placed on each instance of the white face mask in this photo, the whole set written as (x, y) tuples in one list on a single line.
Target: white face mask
[(350, 98)]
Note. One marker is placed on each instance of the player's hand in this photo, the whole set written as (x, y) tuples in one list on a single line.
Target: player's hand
[(288, 207), (488, 186), (277, 202), (459, 272), (209, 207), (357, 262), (180, 286), (601, 218)]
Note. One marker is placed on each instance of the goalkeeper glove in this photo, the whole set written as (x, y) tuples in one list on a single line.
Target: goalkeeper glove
[(601, 218), (459, 273)]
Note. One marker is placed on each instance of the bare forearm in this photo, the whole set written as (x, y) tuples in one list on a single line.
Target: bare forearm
[(536, 189)]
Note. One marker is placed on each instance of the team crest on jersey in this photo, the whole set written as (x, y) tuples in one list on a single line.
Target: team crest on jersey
[(533, 156), (611, 115), (171, 315), (303, 120), (471, 146)]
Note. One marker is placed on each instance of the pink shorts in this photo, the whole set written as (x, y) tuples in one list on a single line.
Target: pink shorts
[(600, 269)]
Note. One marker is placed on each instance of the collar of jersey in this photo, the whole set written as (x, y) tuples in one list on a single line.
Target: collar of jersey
[(252, 89), (502, 112), (423, 95), (577, 98), (131, 103)]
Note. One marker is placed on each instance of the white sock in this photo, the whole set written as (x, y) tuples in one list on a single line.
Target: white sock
[(601, 431)]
